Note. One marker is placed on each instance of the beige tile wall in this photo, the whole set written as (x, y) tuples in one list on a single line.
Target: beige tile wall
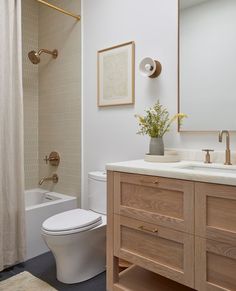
[(59, 96), (30, 87)]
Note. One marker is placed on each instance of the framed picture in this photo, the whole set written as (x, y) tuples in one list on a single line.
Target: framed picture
[(116, 75)]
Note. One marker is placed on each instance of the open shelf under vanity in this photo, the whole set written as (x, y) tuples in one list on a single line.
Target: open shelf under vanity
[(139, 279)]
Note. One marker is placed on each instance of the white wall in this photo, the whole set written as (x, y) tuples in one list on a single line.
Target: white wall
[(109, 134)]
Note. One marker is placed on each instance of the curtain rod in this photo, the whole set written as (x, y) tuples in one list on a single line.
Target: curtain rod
[(59, 9)]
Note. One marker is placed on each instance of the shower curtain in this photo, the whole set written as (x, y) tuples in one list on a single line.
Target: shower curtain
[(12, 212)]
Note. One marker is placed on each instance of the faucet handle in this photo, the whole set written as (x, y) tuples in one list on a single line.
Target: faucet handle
[(53, 159), (207, 156)]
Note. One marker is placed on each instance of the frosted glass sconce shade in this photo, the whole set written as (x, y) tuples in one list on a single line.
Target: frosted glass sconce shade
[(150, 68)]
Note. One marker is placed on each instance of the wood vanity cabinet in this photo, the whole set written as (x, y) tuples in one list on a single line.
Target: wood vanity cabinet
[(215, 240), (182, 230)]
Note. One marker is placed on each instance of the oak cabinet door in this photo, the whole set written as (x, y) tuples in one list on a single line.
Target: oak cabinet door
[(164, 251), (215, 265), (163, 201), (215, 212)]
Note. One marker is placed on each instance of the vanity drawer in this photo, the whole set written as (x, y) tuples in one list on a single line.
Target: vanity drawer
[(215, 210), (163, 201), (167, 252), (215, 265)]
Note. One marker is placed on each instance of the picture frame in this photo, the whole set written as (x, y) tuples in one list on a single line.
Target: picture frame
[(115, 75)]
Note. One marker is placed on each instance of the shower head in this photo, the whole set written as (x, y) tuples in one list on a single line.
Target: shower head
[(35, 56)]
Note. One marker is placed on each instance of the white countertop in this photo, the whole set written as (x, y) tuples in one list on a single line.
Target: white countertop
[(176, 171)]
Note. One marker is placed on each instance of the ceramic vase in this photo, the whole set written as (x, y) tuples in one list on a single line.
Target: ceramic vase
[(156, 146)]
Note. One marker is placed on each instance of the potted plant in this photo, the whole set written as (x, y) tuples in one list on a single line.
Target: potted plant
[(156, 123)]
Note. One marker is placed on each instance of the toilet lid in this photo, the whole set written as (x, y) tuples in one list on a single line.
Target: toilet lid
[(72, 219)]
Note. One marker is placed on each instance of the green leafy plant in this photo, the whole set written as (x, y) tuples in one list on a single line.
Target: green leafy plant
[(157, 121)]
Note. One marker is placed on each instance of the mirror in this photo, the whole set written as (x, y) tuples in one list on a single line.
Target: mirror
[(207, 64)]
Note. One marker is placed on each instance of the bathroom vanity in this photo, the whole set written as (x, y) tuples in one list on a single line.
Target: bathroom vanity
[(175, 223)]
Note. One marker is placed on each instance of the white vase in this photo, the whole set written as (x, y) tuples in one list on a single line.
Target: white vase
[(156, 146)]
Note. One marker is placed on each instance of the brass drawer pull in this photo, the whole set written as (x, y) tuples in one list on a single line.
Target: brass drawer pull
[(155, 230), (156, 182)]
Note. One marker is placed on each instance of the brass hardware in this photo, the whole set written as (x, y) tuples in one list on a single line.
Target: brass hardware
[(227, 151), (155, 230), (208, 156), (53, 159), (54, 178), (59, 9), (35, 56), (149, 182), (54, 53)]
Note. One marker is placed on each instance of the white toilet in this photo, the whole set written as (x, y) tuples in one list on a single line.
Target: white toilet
[(77, 238)]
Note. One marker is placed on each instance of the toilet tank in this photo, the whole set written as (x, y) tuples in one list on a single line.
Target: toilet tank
[(97, 194)]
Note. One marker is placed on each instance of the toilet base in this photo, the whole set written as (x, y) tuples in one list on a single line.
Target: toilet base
[(80, 256), (73, 277)]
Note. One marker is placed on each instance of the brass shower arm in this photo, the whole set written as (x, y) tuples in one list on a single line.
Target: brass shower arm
[(54, 53), (44, 51)]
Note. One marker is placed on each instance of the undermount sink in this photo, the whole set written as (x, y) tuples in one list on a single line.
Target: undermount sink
[(210, 169)]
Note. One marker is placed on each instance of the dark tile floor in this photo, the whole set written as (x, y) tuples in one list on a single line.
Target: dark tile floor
[(44, 268)]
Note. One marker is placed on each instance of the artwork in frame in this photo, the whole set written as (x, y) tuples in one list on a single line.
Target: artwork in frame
[(116, 75)]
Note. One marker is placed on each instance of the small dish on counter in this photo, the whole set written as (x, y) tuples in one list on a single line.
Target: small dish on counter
[(168, 157)]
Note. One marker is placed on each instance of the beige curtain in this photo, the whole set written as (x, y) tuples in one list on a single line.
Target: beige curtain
[(12, 212)]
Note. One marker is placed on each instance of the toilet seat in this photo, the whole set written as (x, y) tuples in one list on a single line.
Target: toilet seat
[(72, 221)]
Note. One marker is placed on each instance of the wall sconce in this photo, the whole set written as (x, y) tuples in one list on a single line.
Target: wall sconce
[(150, 68)]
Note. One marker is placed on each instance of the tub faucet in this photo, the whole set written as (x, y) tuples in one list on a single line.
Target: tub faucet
[(53, 178), (227, 151)]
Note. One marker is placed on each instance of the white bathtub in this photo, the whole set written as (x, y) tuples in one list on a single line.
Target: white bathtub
[(41, 204)]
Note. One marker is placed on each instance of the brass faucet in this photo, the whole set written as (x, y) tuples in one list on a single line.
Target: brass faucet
[(53, 178), (227, 151)]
